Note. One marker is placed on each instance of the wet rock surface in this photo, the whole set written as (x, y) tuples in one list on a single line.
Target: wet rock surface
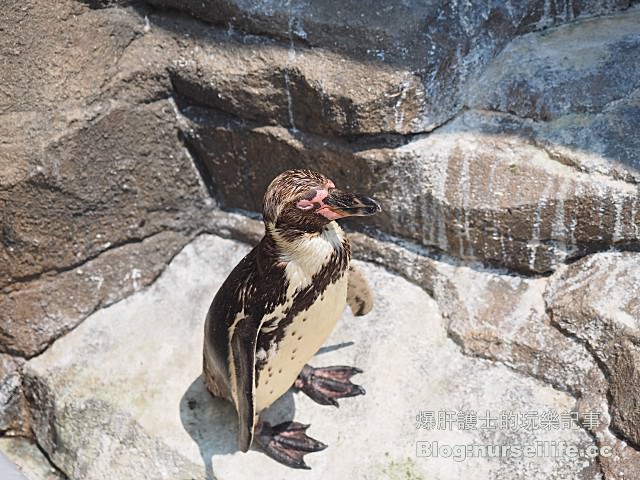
[(441, 45), (514, 189)]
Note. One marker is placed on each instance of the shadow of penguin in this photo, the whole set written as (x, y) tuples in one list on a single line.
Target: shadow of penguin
[(212, 422)]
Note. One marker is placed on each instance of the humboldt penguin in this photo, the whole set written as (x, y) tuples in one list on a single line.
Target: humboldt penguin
[(278, 306)]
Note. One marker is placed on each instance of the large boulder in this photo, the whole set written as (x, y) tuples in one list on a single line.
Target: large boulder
[(506, 187), (101, 185), (89, 166), (440, 45), (465, 189), (596, 301), (573, 90), (311, 90)]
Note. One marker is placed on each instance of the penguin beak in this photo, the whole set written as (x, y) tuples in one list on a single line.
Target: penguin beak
[(339, 204)]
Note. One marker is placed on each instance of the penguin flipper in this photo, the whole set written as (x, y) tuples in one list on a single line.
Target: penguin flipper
[(359, 294), (244, 379)]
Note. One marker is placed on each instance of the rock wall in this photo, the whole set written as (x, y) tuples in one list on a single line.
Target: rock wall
[(500, 135)]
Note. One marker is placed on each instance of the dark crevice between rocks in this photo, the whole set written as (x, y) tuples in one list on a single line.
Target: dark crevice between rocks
[(102, 4), (601, 247), (29, 397), (70, 267), (193, 105), (52, 465), (205, 175), (41, 414), (229, 13)]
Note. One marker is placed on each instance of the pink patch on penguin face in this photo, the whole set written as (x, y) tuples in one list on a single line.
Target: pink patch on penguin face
[(321, 194), (305, 204), (328, 213)]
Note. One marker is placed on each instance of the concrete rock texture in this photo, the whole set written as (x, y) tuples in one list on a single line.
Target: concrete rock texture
[(126, 381), (502, 186), (499, 135), (30, 461), (596, 300)]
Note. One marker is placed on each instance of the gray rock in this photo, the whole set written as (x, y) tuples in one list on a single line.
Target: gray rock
[(100, 185), (88, 163), (444, 44), (28, 460), (580, 68), (76, 52), (12, 413), (46, 308), (498, 199), (132, 390), (300, 88), (596, 300), (576, 91), (505, 320)]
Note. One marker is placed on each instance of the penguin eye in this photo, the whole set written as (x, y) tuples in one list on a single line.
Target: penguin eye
[(305, 204)]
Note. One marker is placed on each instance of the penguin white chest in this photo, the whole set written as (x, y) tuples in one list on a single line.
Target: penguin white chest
[(301, 339)]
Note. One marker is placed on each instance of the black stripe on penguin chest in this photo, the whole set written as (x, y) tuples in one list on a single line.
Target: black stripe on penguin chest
[(303, 299)]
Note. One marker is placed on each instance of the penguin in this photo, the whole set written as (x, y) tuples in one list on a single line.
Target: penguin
[(278, 306)]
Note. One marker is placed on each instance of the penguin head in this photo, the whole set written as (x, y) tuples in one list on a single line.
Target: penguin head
[(306, 201)]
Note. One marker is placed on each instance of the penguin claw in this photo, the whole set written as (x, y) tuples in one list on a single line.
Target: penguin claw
[(326, 384), (287, 443)]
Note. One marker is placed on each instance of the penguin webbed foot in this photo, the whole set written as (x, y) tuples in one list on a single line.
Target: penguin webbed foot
[(287, 443), (325, 385)]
